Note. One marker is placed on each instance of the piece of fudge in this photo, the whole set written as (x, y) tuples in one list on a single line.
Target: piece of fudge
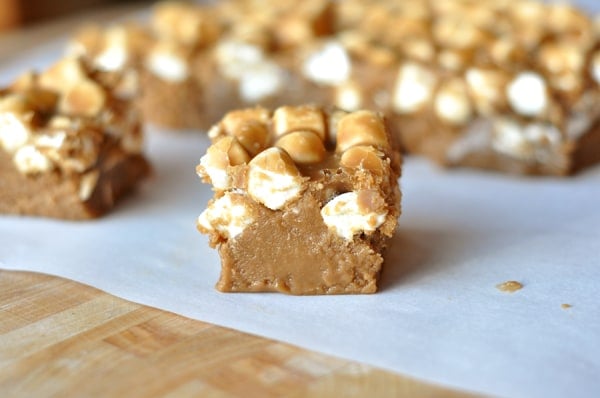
[(69, 147), (512, 86), (305, 199), (172, 95), (519, 94), (208, 60)]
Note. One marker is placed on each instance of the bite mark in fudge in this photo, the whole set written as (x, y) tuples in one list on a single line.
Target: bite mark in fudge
[(69, 148), (310, 210)]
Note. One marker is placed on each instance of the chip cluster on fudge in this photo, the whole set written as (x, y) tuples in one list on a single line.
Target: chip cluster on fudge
[(305, 199), (70, 144)]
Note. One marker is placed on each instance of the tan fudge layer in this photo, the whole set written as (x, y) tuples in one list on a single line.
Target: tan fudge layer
[(70, 147), (305, 199)]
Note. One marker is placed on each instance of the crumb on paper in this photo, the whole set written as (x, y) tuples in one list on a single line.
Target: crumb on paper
[(565, 306), (510, 286)]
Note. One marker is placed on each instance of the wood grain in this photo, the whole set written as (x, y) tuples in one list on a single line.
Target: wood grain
[(59, 338)]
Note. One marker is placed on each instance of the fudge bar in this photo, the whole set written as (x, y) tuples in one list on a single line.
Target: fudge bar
[(69, 146), (512, 86), (208, 60), (305, 199), (172, 94), (509, 86)]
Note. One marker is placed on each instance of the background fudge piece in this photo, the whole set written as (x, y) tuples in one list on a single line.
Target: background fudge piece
[(228, 56), (507, 86), (68, 147), (172, 96), (305, 199)]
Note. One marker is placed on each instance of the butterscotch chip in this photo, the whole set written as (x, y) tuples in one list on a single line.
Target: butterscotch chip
[(361, 128), (24, 82), (304, 147), (62, 75), (289, 118), (364, 157), (86, 98), (298, 217), (66, 144)]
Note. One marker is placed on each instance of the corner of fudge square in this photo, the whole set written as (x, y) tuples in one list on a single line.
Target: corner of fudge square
[(305, 199), (70, 147)]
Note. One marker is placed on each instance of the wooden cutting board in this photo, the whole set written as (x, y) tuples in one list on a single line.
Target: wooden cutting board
[(60, 338)]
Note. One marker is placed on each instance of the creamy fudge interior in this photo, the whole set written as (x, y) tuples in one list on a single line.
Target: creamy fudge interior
[(305, 199)]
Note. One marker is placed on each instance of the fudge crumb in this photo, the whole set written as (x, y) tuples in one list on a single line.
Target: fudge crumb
[(509, 286), (565, 306)]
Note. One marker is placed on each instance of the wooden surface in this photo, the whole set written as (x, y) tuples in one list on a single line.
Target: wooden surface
[(59, 338)]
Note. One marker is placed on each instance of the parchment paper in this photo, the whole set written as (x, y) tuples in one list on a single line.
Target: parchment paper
[(438, 316)]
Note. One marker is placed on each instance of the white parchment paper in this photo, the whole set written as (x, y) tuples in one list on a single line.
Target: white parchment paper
[(438, 316)]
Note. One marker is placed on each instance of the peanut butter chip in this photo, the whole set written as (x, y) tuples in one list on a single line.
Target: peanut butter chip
[(86, 98), (361, 128), (303, 146), (253, 135), (363, 157), (295, 118)]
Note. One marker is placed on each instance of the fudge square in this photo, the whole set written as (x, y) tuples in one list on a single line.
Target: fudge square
[(70, 147), (305, 199)]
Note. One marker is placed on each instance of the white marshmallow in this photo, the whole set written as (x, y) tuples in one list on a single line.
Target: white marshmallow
[(527, 94), (329, 66), (271, 188), (168, 66), (344, 215), (111, 59), (261, 81), (13, 132), (452, 103), (595, 67), (28, 160), (235, 57), (348, 97), (218, 175), (54, 141), (414, 87), (524, 141), (227, 215)]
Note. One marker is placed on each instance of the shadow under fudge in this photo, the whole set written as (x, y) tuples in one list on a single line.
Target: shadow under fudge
[(414, 253)]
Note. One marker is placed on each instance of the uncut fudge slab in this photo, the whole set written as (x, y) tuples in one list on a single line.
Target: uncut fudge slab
[(305, 199), (512, 86), (70, 147)]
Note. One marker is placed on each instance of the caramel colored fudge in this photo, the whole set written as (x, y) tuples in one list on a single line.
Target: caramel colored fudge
[(511, 86), (208, 60), (305, 199), (507, 86), (70, 147)]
